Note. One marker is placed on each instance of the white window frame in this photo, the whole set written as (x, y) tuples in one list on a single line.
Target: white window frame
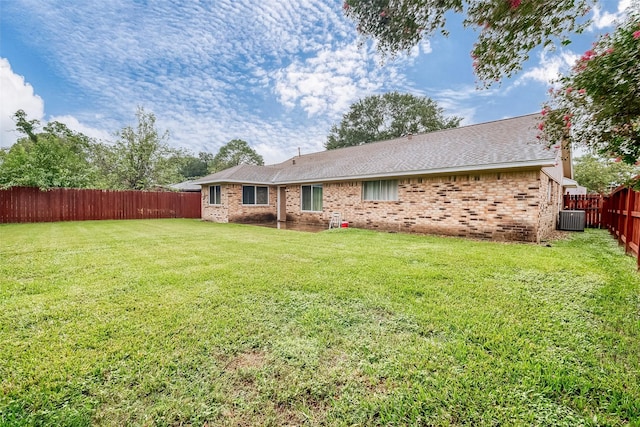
[(387, 194), (313, 208), (255, 195), (217, 195)]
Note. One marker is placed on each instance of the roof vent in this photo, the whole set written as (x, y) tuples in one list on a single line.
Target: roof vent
[(293, 161)]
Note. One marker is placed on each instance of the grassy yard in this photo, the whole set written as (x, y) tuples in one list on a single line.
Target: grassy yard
[(174, 322)]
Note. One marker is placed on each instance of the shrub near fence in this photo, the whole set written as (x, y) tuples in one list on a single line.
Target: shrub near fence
[(24, 204)]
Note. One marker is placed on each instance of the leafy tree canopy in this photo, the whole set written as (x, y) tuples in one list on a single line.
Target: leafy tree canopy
[(391, 115), (53, 157), (233, 153), (601, 175), (59, 157), (508, 29), (195, 167), (598, 103), (141, 158)]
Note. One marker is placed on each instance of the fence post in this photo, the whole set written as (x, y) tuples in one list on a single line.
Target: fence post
[(604, 219), (620, 219), (628, 221)]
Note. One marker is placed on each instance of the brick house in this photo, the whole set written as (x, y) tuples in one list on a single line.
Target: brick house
[(491, 180)]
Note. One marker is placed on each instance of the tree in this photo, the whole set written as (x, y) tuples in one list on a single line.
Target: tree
[(104, 158), (54, 157), (600, 175), (391, 115), (598, 103), (141, 158), (233, 153), (195, 167), (509, 29), (26, 126)]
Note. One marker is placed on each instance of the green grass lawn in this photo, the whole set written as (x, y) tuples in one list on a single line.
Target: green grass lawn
[(178, 322)]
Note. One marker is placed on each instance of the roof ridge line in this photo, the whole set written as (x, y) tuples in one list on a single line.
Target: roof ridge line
[(415, 134)]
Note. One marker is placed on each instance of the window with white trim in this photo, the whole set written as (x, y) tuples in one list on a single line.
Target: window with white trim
[(214, 195), (312, 198), (255, 195), (380, 190)]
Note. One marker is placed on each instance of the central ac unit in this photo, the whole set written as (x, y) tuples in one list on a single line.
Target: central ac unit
[(572, 220)]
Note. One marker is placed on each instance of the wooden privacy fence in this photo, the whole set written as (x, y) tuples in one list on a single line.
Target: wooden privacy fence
[(25, 204), (621, 215), (591, 204)]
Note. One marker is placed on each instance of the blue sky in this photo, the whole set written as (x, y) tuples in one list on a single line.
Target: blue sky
[(276, 73)]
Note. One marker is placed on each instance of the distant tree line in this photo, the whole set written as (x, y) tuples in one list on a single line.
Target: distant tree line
[(603, 174), (140, 159)]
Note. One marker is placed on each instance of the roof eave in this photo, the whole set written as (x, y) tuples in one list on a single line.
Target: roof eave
[(539, 163), (235, 181), (439, 171)]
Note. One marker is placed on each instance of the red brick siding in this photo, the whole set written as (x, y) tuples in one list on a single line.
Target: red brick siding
[(491, 206), (498, 206), (551, 201), (231, 208), (294, 207), (215, 213)]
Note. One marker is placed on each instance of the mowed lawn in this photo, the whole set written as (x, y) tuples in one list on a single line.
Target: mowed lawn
[(183, 322)]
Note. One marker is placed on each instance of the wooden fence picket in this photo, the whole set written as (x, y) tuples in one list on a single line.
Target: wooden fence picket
[(591, 204), (621, 216), (25, 204)]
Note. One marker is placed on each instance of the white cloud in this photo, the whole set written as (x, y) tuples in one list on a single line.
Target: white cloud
[(604, 19), (16, 94), (276, 73), (74, 124), (462, 101), (551, 66), (206, 70), (331, 80), (275, 141), (423, 47)]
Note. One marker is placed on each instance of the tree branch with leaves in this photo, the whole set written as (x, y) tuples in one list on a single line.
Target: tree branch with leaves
[(598, 103), (509, 29)]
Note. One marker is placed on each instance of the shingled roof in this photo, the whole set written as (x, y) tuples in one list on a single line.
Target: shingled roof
[(498, 145)]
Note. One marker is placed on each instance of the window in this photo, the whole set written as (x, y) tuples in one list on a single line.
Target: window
[(380, 190), (214, 194), (312, 197), (255, 195)]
